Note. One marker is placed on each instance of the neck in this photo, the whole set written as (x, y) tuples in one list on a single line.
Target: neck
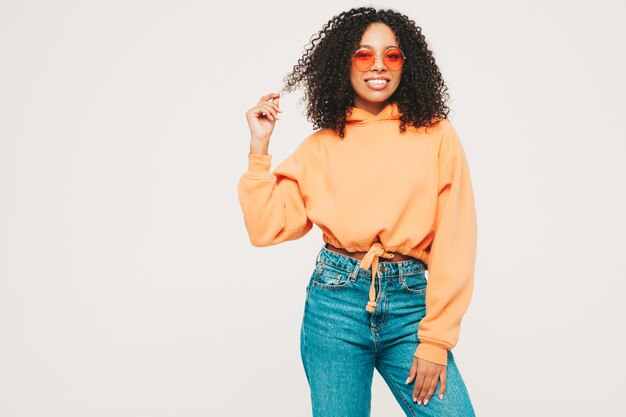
[(369, 106)]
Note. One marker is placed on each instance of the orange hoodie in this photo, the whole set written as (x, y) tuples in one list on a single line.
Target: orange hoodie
[(378, 190)]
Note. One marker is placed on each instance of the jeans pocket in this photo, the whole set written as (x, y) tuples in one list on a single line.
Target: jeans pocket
[(330, 277), (415, 283)]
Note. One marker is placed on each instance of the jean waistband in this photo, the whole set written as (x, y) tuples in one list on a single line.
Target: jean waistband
[(384, 270)]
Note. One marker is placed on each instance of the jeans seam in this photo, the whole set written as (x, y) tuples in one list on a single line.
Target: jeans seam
[(410, 291), (385, 310), (399, 391)]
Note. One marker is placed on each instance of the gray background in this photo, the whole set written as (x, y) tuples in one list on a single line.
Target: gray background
[(128, 286)]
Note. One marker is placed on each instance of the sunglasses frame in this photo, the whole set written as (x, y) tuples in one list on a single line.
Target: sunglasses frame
[(377, 56)]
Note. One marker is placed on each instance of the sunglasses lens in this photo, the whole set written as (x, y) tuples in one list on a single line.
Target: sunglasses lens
[(363, 59), (393, 59)]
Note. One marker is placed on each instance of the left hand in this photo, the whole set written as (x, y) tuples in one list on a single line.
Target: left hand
[(426, 375)]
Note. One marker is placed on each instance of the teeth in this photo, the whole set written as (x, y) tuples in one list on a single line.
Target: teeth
[(376, 81)]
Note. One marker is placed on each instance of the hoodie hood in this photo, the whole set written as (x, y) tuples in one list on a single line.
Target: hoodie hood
[(361, 116)]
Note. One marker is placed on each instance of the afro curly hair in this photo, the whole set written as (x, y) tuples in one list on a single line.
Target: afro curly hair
[(324, 71)]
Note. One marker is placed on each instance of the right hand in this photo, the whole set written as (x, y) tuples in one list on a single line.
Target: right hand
[(262, 117)]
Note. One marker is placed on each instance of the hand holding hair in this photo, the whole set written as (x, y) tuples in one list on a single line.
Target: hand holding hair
[(262, 117)]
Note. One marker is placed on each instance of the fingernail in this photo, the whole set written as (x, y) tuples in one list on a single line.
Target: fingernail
[(414, 399), (425, 402), (407, 380), (419, 402), (441, 396)]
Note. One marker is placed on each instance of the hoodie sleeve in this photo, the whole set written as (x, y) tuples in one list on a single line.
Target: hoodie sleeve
[(453, 251), (273, 205)]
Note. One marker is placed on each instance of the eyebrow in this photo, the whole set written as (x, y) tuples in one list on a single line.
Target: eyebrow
[(386, 47)]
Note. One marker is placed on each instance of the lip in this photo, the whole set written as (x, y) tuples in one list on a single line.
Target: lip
[(375, 86)]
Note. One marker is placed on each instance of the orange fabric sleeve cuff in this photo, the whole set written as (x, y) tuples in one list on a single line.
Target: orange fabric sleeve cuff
[(432, 353), (259, 163)]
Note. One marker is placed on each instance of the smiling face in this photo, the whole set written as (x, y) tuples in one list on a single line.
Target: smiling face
[(373, 96)]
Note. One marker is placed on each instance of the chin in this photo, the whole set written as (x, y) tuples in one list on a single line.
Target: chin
[(375, 98)]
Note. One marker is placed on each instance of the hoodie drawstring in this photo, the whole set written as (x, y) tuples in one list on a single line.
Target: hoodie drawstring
[(371, 258)]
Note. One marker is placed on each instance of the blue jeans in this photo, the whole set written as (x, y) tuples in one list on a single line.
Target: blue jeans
[(341, 342)]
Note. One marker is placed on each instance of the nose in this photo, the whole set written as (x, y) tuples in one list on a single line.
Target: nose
[(378, 63)]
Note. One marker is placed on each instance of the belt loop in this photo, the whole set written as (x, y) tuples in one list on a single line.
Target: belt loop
[(400, 275), (355, 272)]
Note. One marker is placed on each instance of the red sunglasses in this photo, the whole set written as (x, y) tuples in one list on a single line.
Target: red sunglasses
[(364, 58)]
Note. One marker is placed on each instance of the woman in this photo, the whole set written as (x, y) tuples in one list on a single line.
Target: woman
[(385, 176)]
